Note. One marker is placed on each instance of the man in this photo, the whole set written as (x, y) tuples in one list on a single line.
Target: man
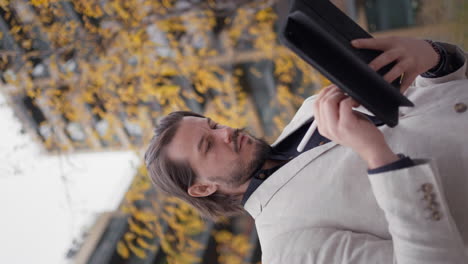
[(347, 198)]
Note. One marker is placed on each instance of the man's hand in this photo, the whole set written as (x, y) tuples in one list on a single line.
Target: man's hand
[(337, 121), (413, 57)]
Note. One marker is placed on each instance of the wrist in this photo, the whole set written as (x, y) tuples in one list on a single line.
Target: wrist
[(437, 56), (379, 156)]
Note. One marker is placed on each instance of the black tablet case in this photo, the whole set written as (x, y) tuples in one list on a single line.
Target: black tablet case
[(321, 34)]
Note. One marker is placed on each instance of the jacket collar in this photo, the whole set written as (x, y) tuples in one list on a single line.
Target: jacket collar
[(277, 180), (263, 194)]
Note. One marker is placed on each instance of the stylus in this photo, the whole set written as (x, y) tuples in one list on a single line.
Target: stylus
[(307, 136)]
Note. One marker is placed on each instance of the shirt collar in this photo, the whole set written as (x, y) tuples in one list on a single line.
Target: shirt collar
[(258, 178)]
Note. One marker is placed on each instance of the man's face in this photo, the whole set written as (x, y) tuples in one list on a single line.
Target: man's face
[(217, 153)]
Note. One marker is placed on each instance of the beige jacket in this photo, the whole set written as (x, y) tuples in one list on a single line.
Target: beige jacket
[(322, 207)]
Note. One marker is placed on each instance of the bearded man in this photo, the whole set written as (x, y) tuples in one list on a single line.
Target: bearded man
[(348, 197)]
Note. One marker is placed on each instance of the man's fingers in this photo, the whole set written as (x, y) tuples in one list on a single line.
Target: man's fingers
[(348, 116), (372, 43), (346, 110), (396, 71), (385, 59), (324, 92), (354, 103), (316, 112), (335, 89), (330, 108), (328, 88), (407, 80), (326, 108), (329, 101), (316, 106)]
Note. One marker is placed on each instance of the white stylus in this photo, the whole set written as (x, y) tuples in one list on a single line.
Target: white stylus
[(307, 136)]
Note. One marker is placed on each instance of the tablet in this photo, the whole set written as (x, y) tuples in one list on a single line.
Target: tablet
[(321, 34)]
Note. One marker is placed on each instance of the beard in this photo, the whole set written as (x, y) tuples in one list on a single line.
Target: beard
[(240, 172)]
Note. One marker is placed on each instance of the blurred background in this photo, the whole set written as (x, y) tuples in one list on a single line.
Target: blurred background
[(84, 82)]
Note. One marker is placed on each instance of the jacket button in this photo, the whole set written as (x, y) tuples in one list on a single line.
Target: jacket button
[(430, 197), (460, 107), (427, 187), (436, 216), (433, 206)]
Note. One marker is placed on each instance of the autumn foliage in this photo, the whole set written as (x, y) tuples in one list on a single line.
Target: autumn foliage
[(104, 65)]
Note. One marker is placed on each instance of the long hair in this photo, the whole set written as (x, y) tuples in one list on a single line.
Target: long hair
[(175, 177)]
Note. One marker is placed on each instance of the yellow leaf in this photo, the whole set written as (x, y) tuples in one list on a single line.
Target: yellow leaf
[(139, 230), (122, 250), (223, 236), (145, 245), (137, 251)]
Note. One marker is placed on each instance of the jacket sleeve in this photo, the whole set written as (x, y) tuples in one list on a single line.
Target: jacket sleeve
[(419, 219), (461, 73), (421, 234)]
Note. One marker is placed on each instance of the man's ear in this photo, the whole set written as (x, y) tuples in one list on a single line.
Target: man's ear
[(202, 189)]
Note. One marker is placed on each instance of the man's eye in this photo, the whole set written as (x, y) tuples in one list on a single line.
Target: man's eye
[(208, 146), (216, 126)]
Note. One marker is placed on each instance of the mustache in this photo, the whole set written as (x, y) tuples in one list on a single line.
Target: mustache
[(235, 136)]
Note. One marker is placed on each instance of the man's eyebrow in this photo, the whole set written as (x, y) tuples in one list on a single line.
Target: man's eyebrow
[(200, 143)]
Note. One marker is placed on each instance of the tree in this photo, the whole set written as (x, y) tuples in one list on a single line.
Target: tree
[(101, 69)]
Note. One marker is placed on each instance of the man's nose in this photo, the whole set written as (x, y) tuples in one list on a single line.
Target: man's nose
[(227, 133)]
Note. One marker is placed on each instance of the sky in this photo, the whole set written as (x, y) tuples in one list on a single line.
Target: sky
[(48, 200)]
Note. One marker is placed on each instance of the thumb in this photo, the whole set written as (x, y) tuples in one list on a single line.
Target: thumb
[(346, 109), (354, 103), (347, 112)]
